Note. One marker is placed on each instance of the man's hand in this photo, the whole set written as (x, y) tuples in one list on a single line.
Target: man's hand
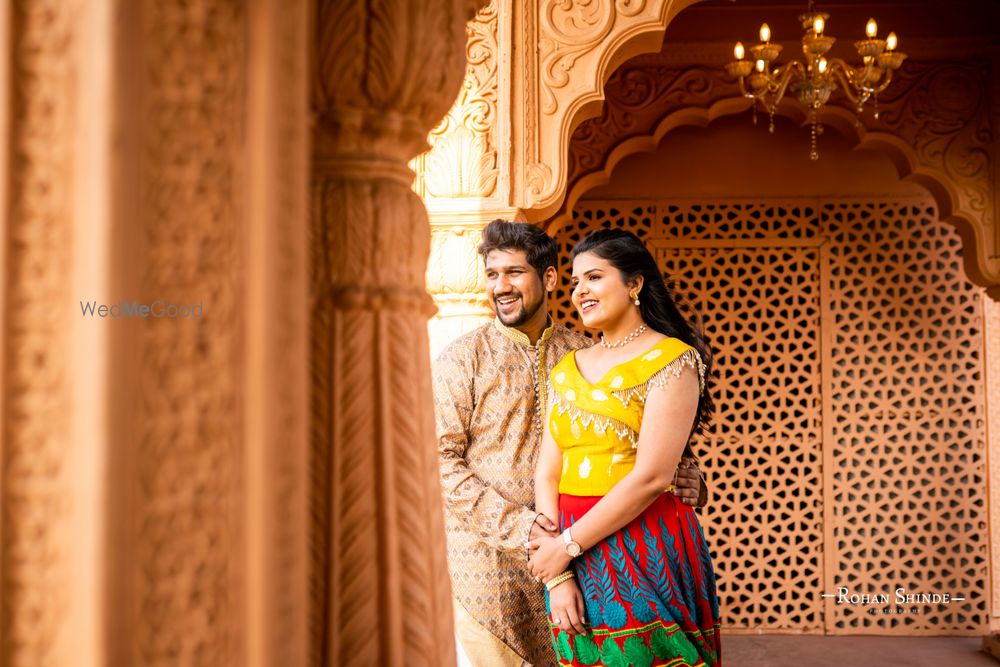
[(548, 558), (688, 481), (568, 609), (543, 527)]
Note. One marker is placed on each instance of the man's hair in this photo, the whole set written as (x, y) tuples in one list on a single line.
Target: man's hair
[(539, 247)]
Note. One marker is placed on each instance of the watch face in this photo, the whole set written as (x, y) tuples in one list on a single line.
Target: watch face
[(573, 549)]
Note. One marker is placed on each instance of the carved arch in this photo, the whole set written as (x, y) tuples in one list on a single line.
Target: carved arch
[(570, 49), (943, 145)]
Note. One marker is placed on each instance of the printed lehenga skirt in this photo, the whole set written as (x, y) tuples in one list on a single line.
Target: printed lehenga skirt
[(650, 592)]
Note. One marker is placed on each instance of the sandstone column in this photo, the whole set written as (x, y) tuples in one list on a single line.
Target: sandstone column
[(385, 73), (153, 468)]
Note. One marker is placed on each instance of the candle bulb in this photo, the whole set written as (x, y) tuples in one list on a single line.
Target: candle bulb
[(818, 25), (871, 29), (891, 41), (765, 33), (738, 51), (822, 65), (760, 65)]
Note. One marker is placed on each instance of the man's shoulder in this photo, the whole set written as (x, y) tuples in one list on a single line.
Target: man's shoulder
[(570, 339), (466, 345)]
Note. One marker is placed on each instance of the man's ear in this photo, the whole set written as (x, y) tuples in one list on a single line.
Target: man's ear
[(550, 279)]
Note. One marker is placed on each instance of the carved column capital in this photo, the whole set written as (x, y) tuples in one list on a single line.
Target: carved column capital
[(384, 73)]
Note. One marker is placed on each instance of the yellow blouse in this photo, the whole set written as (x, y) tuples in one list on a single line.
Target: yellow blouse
[(597, 425)]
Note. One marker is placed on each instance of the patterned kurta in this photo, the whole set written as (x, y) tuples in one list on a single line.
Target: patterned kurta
[(486, 400)]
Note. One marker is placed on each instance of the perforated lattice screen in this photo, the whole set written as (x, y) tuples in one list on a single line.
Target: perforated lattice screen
[(849, 442)]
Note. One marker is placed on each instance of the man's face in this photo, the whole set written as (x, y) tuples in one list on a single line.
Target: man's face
[(513, 286)]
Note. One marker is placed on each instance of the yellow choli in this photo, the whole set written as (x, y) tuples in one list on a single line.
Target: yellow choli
[(597, 425)]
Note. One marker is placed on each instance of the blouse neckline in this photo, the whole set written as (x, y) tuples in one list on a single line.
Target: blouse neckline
[(604, 377)]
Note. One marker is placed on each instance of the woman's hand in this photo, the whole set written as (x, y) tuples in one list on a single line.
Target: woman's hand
[(568, 609), (548, 557)]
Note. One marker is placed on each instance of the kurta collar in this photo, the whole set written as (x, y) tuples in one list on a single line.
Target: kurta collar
[(519, 337)]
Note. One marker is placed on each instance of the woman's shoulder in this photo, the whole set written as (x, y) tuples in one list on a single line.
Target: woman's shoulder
[(668, 359), (664, 357)]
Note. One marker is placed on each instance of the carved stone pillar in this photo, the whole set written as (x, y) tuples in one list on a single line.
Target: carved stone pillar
[(153, 481), (385, 73)]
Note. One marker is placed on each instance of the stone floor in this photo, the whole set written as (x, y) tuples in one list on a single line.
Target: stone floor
[(853, 651)]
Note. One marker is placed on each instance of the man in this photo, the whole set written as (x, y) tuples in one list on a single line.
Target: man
[(490, 395)]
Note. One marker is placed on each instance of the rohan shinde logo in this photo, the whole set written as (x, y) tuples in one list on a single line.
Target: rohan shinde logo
[(900, 599)]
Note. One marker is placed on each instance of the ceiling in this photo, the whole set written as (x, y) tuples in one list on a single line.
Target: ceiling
[(912, 20)]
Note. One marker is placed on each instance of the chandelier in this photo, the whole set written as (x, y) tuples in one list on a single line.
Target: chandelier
[(817, 78)]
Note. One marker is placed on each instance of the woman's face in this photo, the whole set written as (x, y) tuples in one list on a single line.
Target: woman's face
[(599, 294)]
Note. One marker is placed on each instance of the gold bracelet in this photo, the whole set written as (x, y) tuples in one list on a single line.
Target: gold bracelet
[(558, 579)]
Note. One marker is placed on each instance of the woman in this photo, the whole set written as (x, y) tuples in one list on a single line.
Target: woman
[(630, 581)]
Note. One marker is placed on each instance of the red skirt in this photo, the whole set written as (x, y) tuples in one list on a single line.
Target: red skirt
[(650, 591)]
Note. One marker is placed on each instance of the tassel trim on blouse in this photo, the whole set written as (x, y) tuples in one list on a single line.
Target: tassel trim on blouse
[(638, 393), (597, 423)]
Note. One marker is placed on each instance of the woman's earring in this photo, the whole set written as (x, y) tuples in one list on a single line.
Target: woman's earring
[(635, 298)]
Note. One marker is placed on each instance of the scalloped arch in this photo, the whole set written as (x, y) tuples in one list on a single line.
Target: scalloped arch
[(902, 155)]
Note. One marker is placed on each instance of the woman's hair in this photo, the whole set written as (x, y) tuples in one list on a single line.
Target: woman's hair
[(657, 306), (539, 247)]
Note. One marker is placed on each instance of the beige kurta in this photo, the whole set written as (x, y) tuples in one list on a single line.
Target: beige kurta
[(488, 426)]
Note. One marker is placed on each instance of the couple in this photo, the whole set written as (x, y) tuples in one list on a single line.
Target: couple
[(536, 427)]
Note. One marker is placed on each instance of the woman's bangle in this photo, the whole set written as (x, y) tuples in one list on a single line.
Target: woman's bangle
[(558, 579)]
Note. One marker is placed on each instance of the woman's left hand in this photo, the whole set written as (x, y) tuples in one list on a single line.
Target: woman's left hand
[(548, 557)]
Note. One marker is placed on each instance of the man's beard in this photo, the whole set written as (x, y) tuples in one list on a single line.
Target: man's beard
[(526, 312)]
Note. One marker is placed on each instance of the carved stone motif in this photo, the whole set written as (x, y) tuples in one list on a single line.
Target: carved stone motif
[(454, 266), (385, 75), (462, 161), (934, 123), (569, 49), (941, 112)]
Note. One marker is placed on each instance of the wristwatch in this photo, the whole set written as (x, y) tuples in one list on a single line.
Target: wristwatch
[(572, 548)]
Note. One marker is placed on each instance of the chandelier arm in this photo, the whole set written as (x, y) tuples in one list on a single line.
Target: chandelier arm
[(885, 83), (839, 65), (787, 74), (844, 74), (743, 87)]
